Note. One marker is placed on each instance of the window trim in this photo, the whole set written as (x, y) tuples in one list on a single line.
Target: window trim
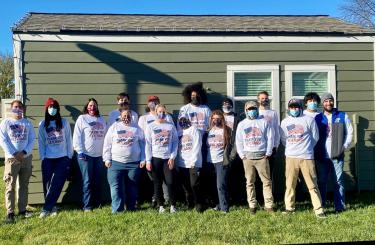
[(274, 69), (331, 77)]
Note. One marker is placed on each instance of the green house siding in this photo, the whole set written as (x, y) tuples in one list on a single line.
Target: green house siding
[(73, 72)]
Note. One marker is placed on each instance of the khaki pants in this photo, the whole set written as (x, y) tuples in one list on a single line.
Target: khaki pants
[(307, 167), (263, 168), (17, 170)]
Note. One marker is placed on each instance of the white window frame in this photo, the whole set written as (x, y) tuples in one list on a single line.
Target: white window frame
[(290, 69), (274, 69)]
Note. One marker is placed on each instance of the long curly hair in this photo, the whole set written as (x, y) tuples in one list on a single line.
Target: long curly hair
[(198, 88)]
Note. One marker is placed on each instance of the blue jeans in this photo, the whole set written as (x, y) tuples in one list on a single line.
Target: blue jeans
[(222, 185), (334, 167), (91, 169), (117, 174), (54, 174)]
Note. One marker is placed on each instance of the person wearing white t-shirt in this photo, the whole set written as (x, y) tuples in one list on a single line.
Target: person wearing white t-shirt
[(88, 139), (311, 102), (17, 138), (123, 99)]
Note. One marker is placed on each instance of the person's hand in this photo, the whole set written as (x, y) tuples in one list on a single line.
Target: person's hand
[(108, 164), (148, 167), (266, 157), (142, 164), (170, 163), (19, 156)]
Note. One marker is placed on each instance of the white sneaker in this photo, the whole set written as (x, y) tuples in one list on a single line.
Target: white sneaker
[(44, 214), (161, 210), (54, 211), (173, 209)]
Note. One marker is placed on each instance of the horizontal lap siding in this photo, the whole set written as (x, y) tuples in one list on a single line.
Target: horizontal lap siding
[(73, 72)]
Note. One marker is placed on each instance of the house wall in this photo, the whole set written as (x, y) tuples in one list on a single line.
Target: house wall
[(72, 72)]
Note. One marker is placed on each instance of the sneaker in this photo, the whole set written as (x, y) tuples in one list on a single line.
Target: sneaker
[(253, 211), (9, 219), (87, 210), (321, 216), (161, 210), (44, 214), (288, 212), (216, 208), (154, 203), (173, 209), (25, 214), (54, 211), (269, 210)]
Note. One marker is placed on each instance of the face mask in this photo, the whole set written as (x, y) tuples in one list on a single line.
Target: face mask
[(161, 115), (17, 112), (265, 102), (313, 106), (184, 124), (91, 111), (227, 109), (252, 114), (125, 103), (195, 100), (294, 112), (151, 105), (52, 111), (217, 122), (126, 120)]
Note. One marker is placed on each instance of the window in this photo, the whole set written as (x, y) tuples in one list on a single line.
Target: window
[(245, 81), (301, 79)]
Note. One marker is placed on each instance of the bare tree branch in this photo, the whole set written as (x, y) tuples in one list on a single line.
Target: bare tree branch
[(361, 12)]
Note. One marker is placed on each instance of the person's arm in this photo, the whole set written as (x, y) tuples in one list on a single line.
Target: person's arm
[(276, 123), (107, 146), (148, 148), (5, 141), (348, 132), (41, 141), (283, 133), (270, 139), (30, 139), (174, 146), (315, 132), (142, 145), (239, 142), (77, 136), (68, 137)]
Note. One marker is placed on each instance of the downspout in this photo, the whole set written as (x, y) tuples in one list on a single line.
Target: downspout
[(356, 151), (18, 69)]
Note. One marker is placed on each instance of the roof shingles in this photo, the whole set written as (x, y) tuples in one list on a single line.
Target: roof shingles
[(56, 23)]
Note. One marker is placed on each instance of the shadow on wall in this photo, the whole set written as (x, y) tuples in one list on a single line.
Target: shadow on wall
[(133, 74)]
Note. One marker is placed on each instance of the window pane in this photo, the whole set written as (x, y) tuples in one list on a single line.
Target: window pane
[(304, 82), (250, 83)]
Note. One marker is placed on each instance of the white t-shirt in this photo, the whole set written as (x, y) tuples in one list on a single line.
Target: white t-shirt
[(215, 145), (310, 114), (148, 118), (229, 120), (272, 118), (198, 116), (88, 136), (190, 146)]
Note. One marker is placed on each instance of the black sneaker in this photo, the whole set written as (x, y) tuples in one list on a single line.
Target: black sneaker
[(9, 219), (253, 211)]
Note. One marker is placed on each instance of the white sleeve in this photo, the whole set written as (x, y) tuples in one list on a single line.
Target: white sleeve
[(148, 148), (315, 132), (276, 123), (135, 117), (31, 139), (174, 146), (77, 136), (270, 139), (141, 139), (68, 138), (283, 133), (41, 140), (5, 142), (107, 145), (239, 141), (348, 132)]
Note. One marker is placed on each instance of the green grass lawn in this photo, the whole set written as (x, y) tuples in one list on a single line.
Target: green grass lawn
[(72, 226)]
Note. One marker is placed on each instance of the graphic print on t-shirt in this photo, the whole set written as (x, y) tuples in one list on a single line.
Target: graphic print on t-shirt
[(253, 136), (161, 137), (295, 133), (197, 119), (54, 136), (215, 141), (186, 143), (18, 133), (125, 137), (97, 130)]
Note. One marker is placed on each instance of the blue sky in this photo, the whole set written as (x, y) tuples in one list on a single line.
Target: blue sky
[(13, 11)]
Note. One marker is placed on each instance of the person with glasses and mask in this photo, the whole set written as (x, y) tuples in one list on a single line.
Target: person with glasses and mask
[(17, 138), (88, 139), (195, 108), (254, 141), (124, 155), (220, 152), (189, 163), (299, 135), (123, 99), (56, 152), (312, 102), (161, 151)]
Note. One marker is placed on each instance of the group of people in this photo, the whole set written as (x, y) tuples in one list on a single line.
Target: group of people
[(198, 151)]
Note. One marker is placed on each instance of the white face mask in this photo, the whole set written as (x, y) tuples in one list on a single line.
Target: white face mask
[(227, 109), (52, 111)]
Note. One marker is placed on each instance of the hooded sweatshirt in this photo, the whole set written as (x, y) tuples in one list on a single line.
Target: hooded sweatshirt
[(16, 135), (299, 135)]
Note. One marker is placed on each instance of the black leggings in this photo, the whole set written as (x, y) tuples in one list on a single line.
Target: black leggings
[(160, 173)]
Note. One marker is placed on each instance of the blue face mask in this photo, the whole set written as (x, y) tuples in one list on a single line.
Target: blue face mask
[(252, 114), (294, 112), (52, 111), (313, 106), (161, 115)]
